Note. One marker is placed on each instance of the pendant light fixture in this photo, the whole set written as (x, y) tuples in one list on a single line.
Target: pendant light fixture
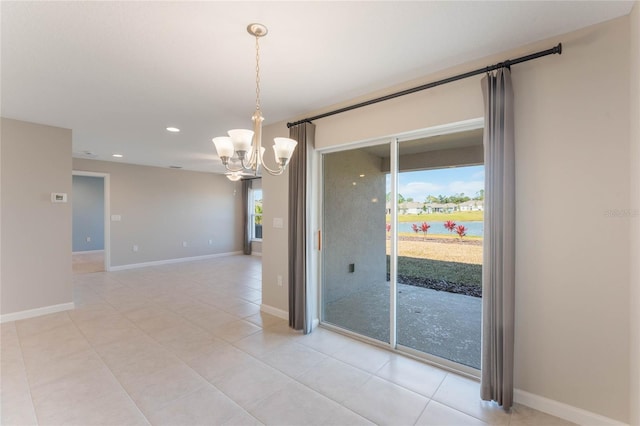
[(247, 144)]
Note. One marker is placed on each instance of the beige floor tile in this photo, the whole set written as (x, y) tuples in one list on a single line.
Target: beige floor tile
[(52, 344), (14, 383), (161, 322), (92, 312), (242, 309), (184, 337), (244, 419), (413, 375), (32, 326), (153, 391), (134, 368), (385, 403), (123, 352), (335, 379), (144, 310), (77, 363), (364, 356), (344, 416), (262, 319), (218, 361), (74, 390), (251, 382), (325, 341), (294, 405), (211, 320), (437, 414), (261, 343), (235, 330), (463, 395), (109, 329), (112, 409), (293, 359), (17, 411), (205, 406)]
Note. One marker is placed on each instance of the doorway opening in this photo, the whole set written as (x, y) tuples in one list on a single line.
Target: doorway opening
[(91, 233), (402, 244)]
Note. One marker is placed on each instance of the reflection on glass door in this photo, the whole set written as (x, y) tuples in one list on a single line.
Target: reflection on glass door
[(355, 288)]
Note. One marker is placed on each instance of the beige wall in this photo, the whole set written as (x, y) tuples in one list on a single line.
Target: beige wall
[(36, 233), (160, 208), (572, 170), (275, 204), (635, 213)]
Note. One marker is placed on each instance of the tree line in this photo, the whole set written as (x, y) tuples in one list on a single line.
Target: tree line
[(441, 199)]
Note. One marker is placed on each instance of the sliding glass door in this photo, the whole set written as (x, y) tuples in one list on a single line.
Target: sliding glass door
[(402, 245), (439, 240), (355, 290)]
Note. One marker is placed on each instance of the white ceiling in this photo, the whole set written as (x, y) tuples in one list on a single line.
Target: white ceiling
[(119, 73)]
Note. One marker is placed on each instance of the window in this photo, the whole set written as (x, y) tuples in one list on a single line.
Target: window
[(255, 212)]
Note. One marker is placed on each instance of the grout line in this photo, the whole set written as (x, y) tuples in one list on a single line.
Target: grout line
[(109, 368), (26, 376)]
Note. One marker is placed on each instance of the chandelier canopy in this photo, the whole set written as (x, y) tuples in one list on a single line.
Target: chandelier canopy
[(247, 144)]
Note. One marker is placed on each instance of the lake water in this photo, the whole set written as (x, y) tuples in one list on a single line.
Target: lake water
[(475, 229)]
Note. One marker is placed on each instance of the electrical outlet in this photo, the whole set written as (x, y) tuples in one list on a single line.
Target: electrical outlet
[(88, 239), (210, 242), (135, 248), (184, 244), (279, 280)]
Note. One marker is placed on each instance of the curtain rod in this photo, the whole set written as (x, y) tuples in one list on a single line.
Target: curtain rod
[(504, 64)]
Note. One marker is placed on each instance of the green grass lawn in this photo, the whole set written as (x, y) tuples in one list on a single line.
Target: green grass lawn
[(441, 217)]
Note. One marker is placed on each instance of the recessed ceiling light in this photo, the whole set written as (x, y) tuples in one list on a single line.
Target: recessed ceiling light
[(173, 129), (117, 155)]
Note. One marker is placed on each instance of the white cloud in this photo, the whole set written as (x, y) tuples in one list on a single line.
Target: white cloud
[(419, 190), (468, 188)]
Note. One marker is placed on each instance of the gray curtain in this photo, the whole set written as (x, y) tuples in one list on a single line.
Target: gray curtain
[(498, 273), (246, 223), (299, 310)]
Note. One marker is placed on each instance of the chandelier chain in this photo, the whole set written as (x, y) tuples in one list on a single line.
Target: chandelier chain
[(257, 74)]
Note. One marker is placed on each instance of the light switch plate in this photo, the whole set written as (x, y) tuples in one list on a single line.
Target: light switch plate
[(58, 197)]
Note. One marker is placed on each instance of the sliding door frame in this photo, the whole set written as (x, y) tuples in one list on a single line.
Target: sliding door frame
[(394, 142)]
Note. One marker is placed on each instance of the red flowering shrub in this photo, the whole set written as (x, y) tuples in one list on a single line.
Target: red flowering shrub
[(450, 225), (461, 230), (424, 228)]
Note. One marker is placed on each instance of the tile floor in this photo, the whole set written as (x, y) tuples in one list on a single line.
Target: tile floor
[(186, 344)]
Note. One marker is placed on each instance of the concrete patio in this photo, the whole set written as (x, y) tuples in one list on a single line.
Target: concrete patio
[(444, 324)]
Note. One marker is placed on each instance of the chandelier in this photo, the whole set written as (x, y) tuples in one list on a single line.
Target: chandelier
[(245, 144)]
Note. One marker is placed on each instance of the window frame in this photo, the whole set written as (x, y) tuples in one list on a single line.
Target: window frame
[(252, 213)]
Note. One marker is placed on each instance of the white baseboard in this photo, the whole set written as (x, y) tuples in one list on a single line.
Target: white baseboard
[(562, 410), (88, 251), (274, 311), (170, 261), (31, 313)]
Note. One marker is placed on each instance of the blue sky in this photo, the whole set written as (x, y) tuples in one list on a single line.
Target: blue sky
[(449, 181)]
